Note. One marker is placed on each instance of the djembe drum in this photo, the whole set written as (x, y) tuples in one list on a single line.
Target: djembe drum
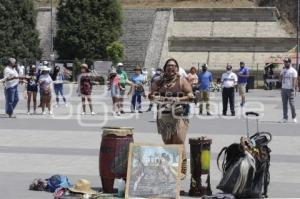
[(114, 155)]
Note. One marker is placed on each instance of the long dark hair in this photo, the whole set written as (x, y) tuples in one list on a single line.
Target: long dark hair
[(55, 72), (171, 59)]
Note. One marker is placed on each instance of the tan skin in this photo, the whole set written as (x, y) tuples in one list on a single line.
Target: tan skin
[(46, 100), (172, 69), (295, 81), (33, 94), (88, 97), (116, 101)]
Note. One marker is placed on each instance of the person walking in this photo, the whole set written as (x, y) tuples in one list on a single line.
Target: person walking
[(45, 83), (205, 79), (173, 93), (229, 81), (85, 88), (123, 81), (58, 82), (155, 77), (11, 79), (115, 88), (288, 77), (138, 90), (32, 88), (243, 75)]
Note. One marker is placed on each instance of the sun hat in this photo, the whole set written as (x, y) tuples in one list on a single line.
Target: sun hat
[(287, 59), (112, 72), (84, 66), (12, 60), (137, 68), (44, 68), (82, 186), (45, 62), (120, 64)]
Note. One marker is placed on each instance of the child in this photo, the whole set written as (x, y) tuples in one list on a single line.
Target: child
[(85, 86), (114, 83)]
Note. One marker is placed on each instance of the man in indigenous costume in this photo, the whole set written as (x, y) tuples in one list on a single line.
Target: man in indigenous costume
[(172, 93)]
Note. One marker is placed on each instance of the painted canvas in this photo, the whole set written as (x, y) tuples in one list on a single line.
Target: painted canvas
[(153, 171)]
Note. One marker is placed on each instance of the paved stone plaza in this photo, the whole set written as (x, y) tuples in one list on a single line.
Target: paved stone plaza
[(38, 146)]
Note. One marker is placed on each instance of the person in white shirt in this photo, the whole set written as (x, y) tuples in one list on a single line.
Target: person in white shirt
[(182, 73), (11, 79), (288, 77), (229, 81)]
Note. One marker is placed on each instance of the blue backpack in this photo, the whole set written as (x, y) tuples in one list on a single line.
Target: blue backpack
[(57, 181)]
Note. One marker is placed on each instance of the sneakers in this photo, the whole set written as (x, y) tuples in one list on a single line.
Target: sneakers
[(44, 113), (28, 113), (295, 120), (83, 113), (284, 121), (93, 113), (56, 106), (50, 113)]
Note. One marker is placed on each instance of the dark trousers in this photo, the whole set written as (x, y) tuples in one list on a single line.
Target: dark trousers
[(59, 89), (136, 102), (228, 95)]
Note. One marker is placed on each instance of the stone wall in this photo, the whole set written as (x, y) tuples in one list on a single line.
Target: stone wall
[(287, 8), (225, 14), (230, 44)]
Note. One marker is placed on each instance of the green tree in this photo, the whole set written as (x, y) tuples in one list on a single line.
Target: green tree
[(115, 51), (18, 34), (87, 27)]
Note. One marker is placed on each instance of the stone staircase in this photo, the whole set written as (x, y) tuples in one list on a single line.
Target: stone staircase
[(137, 29)]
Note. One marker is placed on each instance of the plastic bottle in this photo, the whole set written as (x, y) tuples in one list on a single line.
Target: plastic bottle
[(121, 188)]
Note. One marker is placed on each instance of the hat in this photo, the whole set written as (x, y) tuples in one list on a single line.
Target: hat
[(33, 66), (137, 68), (82, 186), (229, 67), (287, 59), (205, 65), (84, 66), (112, 72), (158, 69), (44, 68), (12, 60), (120, 64), (241, 62)]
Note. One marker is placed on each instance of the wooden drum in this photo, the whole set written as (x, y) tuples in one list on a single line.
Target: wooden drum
[(114, 155)]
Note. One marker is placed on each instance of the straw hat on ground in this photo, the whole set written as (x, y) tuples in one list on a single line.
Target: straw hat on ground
[(83, 186)]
